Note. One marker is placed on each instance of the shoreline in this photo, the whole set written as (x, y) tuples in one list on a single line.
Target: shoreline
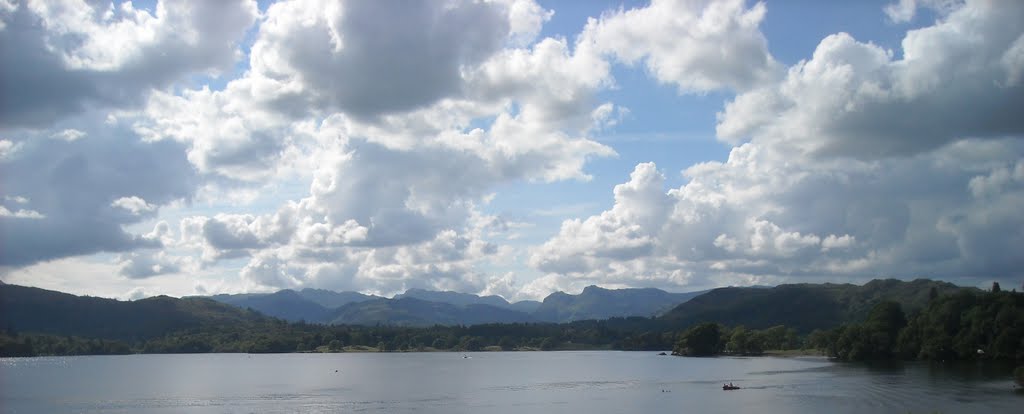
[(368, 349)]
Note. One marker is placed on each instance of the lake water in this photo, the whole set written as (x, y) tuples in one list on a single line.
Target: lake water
[(499, 382)]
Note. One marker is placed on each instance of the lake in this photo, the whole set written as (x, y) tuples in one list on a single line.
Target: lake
[(493, 382)]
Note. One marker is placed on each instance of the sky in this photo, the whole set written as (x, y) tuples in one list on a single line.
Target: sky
[(508, 147)]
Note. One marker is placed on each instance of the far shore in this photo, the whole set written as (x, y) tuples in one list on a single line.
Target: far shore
[(790, 353), (366, 349), (775, 353)]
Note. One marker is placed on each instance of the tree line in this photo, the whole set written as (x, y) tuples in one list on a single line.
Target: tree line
[(963, 326), (709, 339), (276, 336)]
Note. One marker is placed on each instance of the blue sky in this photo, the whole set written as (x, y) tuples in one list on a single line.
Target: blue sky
[(509, 147)]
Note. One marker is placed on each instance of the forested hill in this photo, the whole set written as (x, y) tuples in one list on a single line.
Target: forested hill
[(28, 309), (804, 307)]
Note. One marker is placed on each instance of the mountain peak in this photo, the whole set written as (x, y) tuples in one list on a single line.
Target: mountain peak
[(595, 302), (418, 290), (454, 298)]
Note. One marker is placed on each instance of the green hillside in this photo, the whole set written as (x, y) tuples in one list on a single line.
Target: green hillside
[(804, 307), (34, 310)]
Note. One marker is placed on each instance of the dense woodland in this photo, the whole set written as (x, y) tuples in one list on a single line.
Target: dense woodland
[(962, 326)]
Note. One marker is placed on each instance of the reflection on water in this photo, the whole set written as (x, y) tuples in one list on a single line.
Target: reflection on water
[(538, 382)]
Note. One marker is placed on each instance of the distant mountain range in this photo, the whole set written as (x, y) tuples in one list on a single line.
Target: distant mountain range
[(409, 311), (310, 305), (598, 303), (419, 307), (801, 306)]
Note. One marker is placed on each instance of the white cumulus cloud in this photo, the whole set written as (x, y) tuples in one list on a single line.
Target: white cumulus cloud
[(697, 45)]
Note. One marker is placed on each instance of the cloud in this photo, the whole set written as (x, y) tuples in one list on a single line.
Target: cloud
[(345, 63), (699, 46), (377, 218), (58, 58), (394, 195), (763, 215), (620, 234), (100, 277), (233, 134), (856, 164), (137, 265), (8, 148), (136, 294), (21, 213), (955, 79), (266, 269), (133, 204), (903, 11), (609, 246), (69, 134), (84, 192), (269, 121), (525, 18)]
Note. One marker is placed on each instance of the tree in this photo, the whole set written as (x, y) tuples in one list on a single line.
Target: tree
[(995, 287), (701, 340), (888, 318), (876, 338), (777, 337), (738, 340), (747, 342), (335, 345), (471, 343), (817, 339)]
